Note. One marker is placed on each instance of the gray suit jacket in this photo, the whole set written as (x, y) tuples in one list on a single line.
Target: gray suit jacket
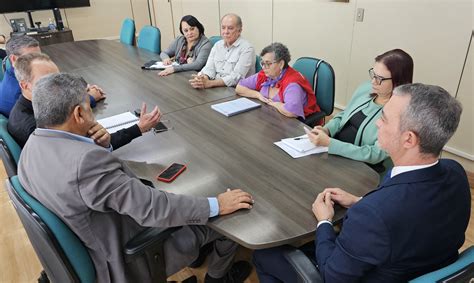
[(98, 197)]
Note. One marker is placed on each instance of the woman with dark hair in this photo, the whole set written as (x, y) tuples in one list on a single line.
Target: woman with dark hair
[(352, 132), (189, 51), (279, 85)]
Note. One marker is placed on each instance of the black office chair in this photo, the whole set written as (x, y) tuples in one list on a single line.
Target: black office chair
[(7, 159), (306, 270), (62, 254), (459, 271), (321, 76)]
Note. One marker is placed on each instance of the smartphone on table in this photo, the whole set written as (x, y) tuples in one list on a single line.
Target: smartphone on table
[(171, 172)]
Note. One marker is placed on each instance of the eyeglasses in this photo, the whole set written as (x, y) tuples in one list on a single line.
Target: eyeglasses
[(266, 64), (378, 79)]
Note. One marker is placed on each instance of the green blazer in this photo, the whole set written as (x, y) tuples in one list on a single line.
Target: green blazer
[(365, 147)]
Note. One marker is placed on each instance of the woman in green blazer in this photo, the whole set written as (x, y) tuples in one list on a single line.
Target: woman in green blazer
[(352, 133)]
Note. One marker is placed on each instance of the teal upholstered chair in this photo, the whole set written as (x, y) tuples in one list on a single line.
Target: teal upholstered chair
[(60, 251), (387, 165), (6, 64), (258, 68), (8, 140), (150, 39), (127, 33), (321, 76), (214, 39), (63, 255), (462, 270)]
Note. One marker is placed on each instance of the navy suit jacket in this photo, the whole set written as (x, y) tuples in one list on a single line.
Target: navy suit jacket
[(412, 224)]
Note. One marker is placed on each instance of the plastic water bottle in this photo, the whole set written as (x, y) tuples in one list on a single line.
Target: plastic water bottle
[(51, 25)]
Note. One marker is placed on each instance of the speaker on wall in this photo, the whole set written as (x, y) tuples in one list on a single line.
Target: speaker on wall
[(58, 19)]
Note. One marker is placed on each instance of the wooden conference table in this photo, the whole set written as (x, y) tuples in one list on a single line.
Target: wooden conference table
[(220, 152)]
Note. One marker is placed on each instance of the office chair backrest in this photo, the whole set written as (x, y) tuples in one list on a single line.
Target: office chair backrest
[(150, 39), (462, 269), (258, 68), (2, 71), (7, 159), (321, 76), (62, 254), (8, 140), (214, 39), (6, 64), (127, 33)]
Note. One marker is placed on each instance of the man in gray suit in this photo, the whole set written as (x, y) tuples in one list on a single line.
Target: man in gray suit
[(101, 200)]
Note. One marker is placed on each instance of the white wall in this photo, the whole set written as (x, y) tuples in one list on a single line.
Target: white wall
[(462, 141), (96, 21), (320, 29), (257, 20)]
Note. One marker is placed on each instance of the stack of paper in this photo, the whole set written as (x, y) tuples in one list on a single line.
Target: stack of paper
[(300, 146), (157, 65), (234, 107), (160, 66), (118, 122)]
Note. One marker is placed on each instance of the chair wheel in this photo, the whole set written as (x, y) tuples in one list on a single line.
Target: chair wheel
[(43, 278)]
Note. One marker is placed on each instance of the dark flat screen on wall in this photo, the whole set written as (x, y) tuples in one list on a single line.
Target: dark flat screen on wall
[(10, 6)]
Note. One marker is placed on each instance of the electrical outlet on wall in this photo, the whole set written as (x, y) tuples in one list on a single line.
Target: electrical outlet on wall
[(360, 15)]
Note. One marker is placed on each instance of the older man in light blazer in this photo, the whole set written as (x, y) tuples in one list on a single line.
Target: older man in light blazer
[(101, 200)]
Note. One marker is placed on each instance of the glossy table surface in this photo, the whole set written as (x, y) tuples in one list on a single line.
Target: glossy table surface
[(117, 69), (220, 152)]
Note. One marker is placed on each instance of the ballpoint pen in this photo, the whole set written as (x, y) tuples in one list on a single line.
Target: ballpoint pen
[(300, 138)]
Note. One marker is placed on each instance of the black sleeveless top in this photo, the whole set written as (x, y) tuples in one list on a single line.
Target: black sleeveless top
[(349, 131)]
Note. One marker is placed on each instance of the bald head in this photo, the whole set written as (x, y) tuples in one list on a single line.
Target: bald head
[(231, 28)]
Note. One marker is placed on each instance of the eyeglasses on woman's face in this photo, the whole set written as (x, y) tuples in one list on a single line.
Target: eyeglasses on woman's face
[(378, 79), (266, 64)]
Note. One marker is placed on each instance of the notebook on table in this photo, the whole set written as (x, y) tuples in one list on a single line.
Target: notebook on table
[(236, 106), (157, 65), (118, 122), (300, 146)]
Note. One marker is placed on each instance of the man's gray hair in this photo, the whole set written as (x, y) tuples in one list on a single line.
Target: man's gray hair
[(16, 43), (237, 18), (55, 96), (432, 113), (280, 50), (23, 67)]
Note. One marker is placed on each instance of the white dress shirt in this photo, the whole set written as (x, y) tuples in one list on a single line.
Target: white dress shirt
[(231, 64)]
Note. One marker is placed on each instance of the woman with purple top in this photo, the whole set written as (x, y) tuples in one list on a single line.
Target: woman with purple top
[(279, 85)]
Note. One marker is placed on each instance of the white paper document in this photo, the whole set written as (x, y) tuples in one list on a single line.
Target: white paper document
[(160, 66), (300, 146), (236, 106), (118, 122)]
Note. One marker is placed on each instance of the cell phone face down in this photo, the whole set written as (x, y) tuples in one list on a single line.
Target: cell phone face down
[(160, 127), (170, 173)]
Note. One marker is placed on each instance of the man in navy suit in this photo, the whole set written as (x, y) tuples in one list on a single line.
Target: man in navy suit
[(414, 222)]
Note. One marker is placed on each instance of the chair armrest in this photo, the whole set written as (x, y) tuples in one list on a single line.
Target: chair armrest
[(307, 272), (147, 240), (314, 118), (8, 161)]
